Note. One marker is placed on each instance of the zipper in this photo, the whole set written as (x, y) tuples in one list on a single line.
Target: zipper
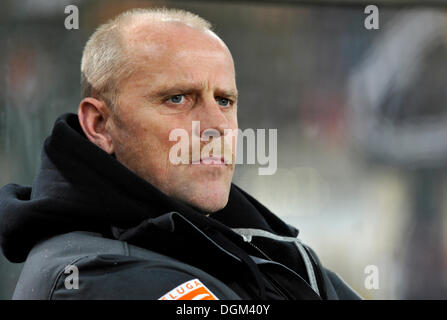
[(248, 240), (247, 235), (260, 251), (272, 281)]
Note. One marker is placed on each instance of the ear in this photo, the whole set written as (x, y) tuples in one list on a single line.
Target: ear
[(93, 115)]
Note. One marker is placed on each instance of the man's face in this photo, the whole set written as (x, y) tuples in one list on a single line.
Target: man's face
[(183, 75)]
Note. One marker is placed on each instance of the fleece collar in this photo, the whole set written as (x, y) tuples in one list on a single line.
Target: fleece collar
[(81, 187)]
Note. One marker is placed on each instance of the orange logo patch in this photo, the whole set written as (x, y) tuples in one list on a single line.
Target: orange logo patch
[(190, 290)]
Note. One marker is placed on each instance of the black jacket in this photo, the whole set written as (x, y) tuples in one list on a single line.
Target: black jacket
[(128, 240)]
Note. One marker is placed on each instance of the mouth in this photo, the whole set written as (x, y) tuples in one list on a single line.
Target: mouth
[(212, 161)]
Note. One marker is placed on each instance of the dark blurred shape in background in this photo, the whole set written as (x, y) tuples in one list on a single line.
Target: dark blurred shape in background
[(361, 118)]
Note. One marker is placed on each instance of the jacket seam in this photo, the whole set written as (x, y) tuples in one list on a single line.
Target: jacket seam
[(318, 272), (126, 248), (309, 267), (53, 288)]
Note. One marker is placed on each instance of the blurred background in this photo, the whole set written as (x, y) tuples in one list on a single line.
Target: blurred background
[(361, 118)]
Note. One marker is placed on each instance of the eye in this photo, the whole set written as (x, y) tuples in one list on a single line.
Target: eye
[(224, 102), (178, 98)]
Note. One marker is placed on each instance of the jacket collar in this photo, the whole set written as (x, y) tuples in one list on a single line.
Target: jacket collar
[(81, 187)]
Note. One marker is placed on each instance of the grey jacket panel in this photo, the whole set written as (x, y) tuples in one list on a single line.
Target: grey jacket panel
[(107, 268)]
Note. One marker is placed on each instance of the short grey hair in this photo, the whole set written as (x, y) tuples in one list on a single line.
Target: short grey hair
[(105, 62)]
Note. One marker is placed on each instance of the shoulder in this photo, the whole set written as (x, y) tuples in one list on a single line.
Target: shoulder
[(104, 269), (337, 288)]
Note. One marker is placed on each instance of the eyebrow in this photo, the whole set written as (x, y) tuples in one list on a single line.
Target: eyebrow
[(232, 94), (184, 89)]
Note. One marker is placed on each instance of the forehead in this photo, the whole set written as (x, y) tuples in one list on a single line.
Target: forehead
[(165, 37), (169, 48)]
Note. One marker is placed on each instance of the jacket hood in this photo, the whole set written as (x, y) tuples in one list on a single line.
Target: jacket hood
[(81, 187)]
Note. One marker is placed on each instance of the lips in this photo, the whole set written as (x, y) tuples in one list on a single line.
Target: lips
[(213, 160)]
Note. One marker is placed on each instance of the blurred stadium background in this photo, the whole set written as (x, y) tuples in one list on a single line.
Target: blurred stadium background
[(361, 119)]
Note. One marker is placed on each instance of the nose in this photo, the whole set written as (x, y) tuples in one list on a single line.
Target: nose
[(213, 120)]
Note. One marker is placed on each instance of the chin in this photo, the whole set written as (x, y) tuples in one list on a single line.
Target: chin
[(211, 207), (209, 200)]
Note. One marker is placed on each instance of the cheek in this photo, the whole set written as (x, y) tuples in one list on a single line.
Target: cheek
[(139, 141), (155, 139)]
